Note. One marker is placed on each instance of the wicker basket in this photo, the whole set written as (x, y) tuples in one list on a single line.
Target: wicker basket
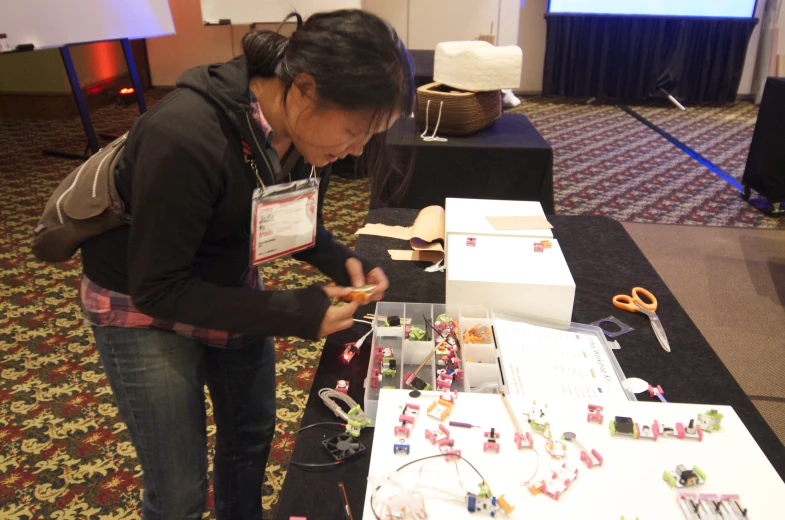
[(463, 113)]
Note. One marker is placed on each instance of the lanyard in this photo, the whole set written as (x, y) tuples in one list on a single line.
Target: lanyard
[(287, 167)]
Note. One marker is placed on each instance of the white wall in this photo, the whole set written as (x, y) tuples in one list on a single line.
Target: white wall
[(747, 77), (421, 27), (520, 21), (193, 44), (531, 39)]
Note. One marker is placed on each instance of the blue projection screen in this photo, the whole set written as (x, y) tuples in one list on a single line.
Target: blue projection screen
[(697, 8)]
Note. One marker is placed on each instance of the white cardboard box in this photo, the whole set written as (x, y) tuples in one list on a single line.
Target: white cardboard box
[(506, 274)]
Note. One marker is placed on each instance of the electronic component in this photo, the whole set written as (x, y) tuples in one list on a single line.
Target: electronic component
[(491, 441), (682, 477), (342, 386), (355, 418), (699, 507), (393, 321), (343, 446), (407, 419), (400, 447), (710, 420), (590, 458), (414, 381), (538, 420), (557, 484), (360, 294), (415, 333), (349, 352), (437, 434), (594, 414), (440, 409), (624, 426)]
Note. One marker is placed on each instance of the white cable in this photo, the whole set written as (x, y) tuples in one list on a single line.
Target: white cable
[(364, 321), (328, 395), (359, 342), (427, 109), (486, 386), (436, 128)]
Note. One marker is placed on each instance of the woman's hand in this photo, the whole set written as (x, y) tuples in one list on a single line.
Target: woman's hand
[(376, 277), (337, 317)]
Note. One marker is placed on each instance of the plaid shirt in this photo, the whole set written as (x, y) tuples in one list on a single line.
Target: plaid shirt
[(104, 308)]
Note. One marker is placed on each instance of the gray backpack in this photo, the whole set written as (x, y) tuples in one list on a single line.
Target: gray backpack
[(84, 205)]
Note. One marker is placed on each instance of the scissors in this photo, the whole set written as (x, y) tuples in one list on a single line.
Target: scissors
[(634, 303)]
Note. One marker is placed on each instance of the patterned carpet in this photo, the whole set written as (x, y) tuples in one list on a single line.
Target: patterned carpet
[(607, 163), (66, 454), (721, 134)]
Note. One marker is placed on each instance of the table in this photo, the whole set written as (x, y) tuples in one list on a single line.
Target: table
[(509, 160), (604, 261), (765, 169)]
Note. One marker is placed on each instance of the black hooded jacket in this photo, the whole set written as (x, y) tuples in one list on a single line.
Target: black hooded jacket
[(184, 256)]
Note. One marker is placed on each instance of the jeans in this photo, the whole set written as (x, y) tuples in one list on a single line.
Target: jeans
[(158, 379)]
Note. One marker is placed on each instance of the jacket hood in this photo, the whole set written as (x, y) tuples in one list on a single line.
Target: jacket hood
[(226, 86)]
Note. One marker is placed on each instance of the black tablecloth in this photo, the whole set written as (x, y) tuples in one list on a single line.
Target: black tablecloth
[(604, 261), (765, 170), (510, 160)]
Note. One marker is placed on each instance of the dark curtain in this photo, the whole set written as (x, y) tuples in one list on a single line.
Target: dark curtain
[(632, 57)]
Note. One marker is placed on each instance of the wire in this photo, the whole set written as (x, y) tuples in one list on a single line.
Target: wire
[(318, 424), (316, 464), (328, 394), (359, 342), (363, 321), (373, 508), (482, 388), (443, 455), (536, 468)]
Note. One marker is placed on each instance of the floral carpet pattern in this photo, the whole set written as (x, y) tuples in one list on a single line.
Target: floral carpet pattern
[(608, 163), (65, 453)]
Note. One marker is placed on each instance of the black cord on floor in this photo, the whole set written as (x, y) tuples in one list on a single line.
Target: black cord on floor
[(318, 464), (319, 424)]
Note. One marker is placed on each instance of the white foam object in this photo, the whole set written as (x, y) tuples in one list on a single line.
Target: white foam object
[(477, 66)]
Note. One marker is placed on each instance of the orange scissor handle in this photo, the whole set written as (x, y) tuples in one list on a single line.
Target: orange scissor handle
[(623, 301)]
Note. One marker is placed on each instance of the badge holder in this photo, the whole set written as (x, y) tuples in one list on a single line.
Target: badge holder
[(283, 217)]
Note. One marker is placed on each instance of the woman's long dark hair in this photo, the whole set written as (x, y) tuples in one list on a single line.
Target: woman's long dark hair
[(357, 61)]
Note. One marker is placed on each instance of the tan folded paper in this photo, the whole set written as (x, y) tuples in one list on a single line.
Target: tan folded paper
[(415, 256), (426, 234), (518, 223)]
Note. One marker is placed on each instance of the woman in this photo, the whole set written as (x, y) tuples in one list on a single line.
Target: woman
[(172, 299)]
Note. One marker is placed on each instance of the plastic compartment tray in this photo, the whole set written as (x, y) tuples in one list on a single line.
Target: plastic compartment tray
[(481, 363), (408, 354)]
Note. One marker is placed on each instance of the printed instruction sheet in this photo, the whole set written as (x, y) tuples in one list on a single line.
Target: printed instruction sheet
[(550, 362)]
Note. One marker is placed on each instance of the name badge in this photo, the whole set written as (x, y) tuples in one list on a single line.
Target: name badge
[(283, 219)]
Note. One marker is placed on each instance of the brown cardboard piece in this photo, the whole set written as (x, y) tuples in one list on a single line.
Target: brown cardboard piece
[(426, 236), (519, 223), (415, 256)]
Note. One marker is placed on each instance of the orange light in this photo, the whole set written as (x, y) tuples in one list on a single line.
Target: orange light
[(127, 90)]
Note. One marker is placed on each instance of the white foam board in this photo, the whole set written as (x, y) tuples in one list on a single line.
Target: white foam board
[(628, 483)]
